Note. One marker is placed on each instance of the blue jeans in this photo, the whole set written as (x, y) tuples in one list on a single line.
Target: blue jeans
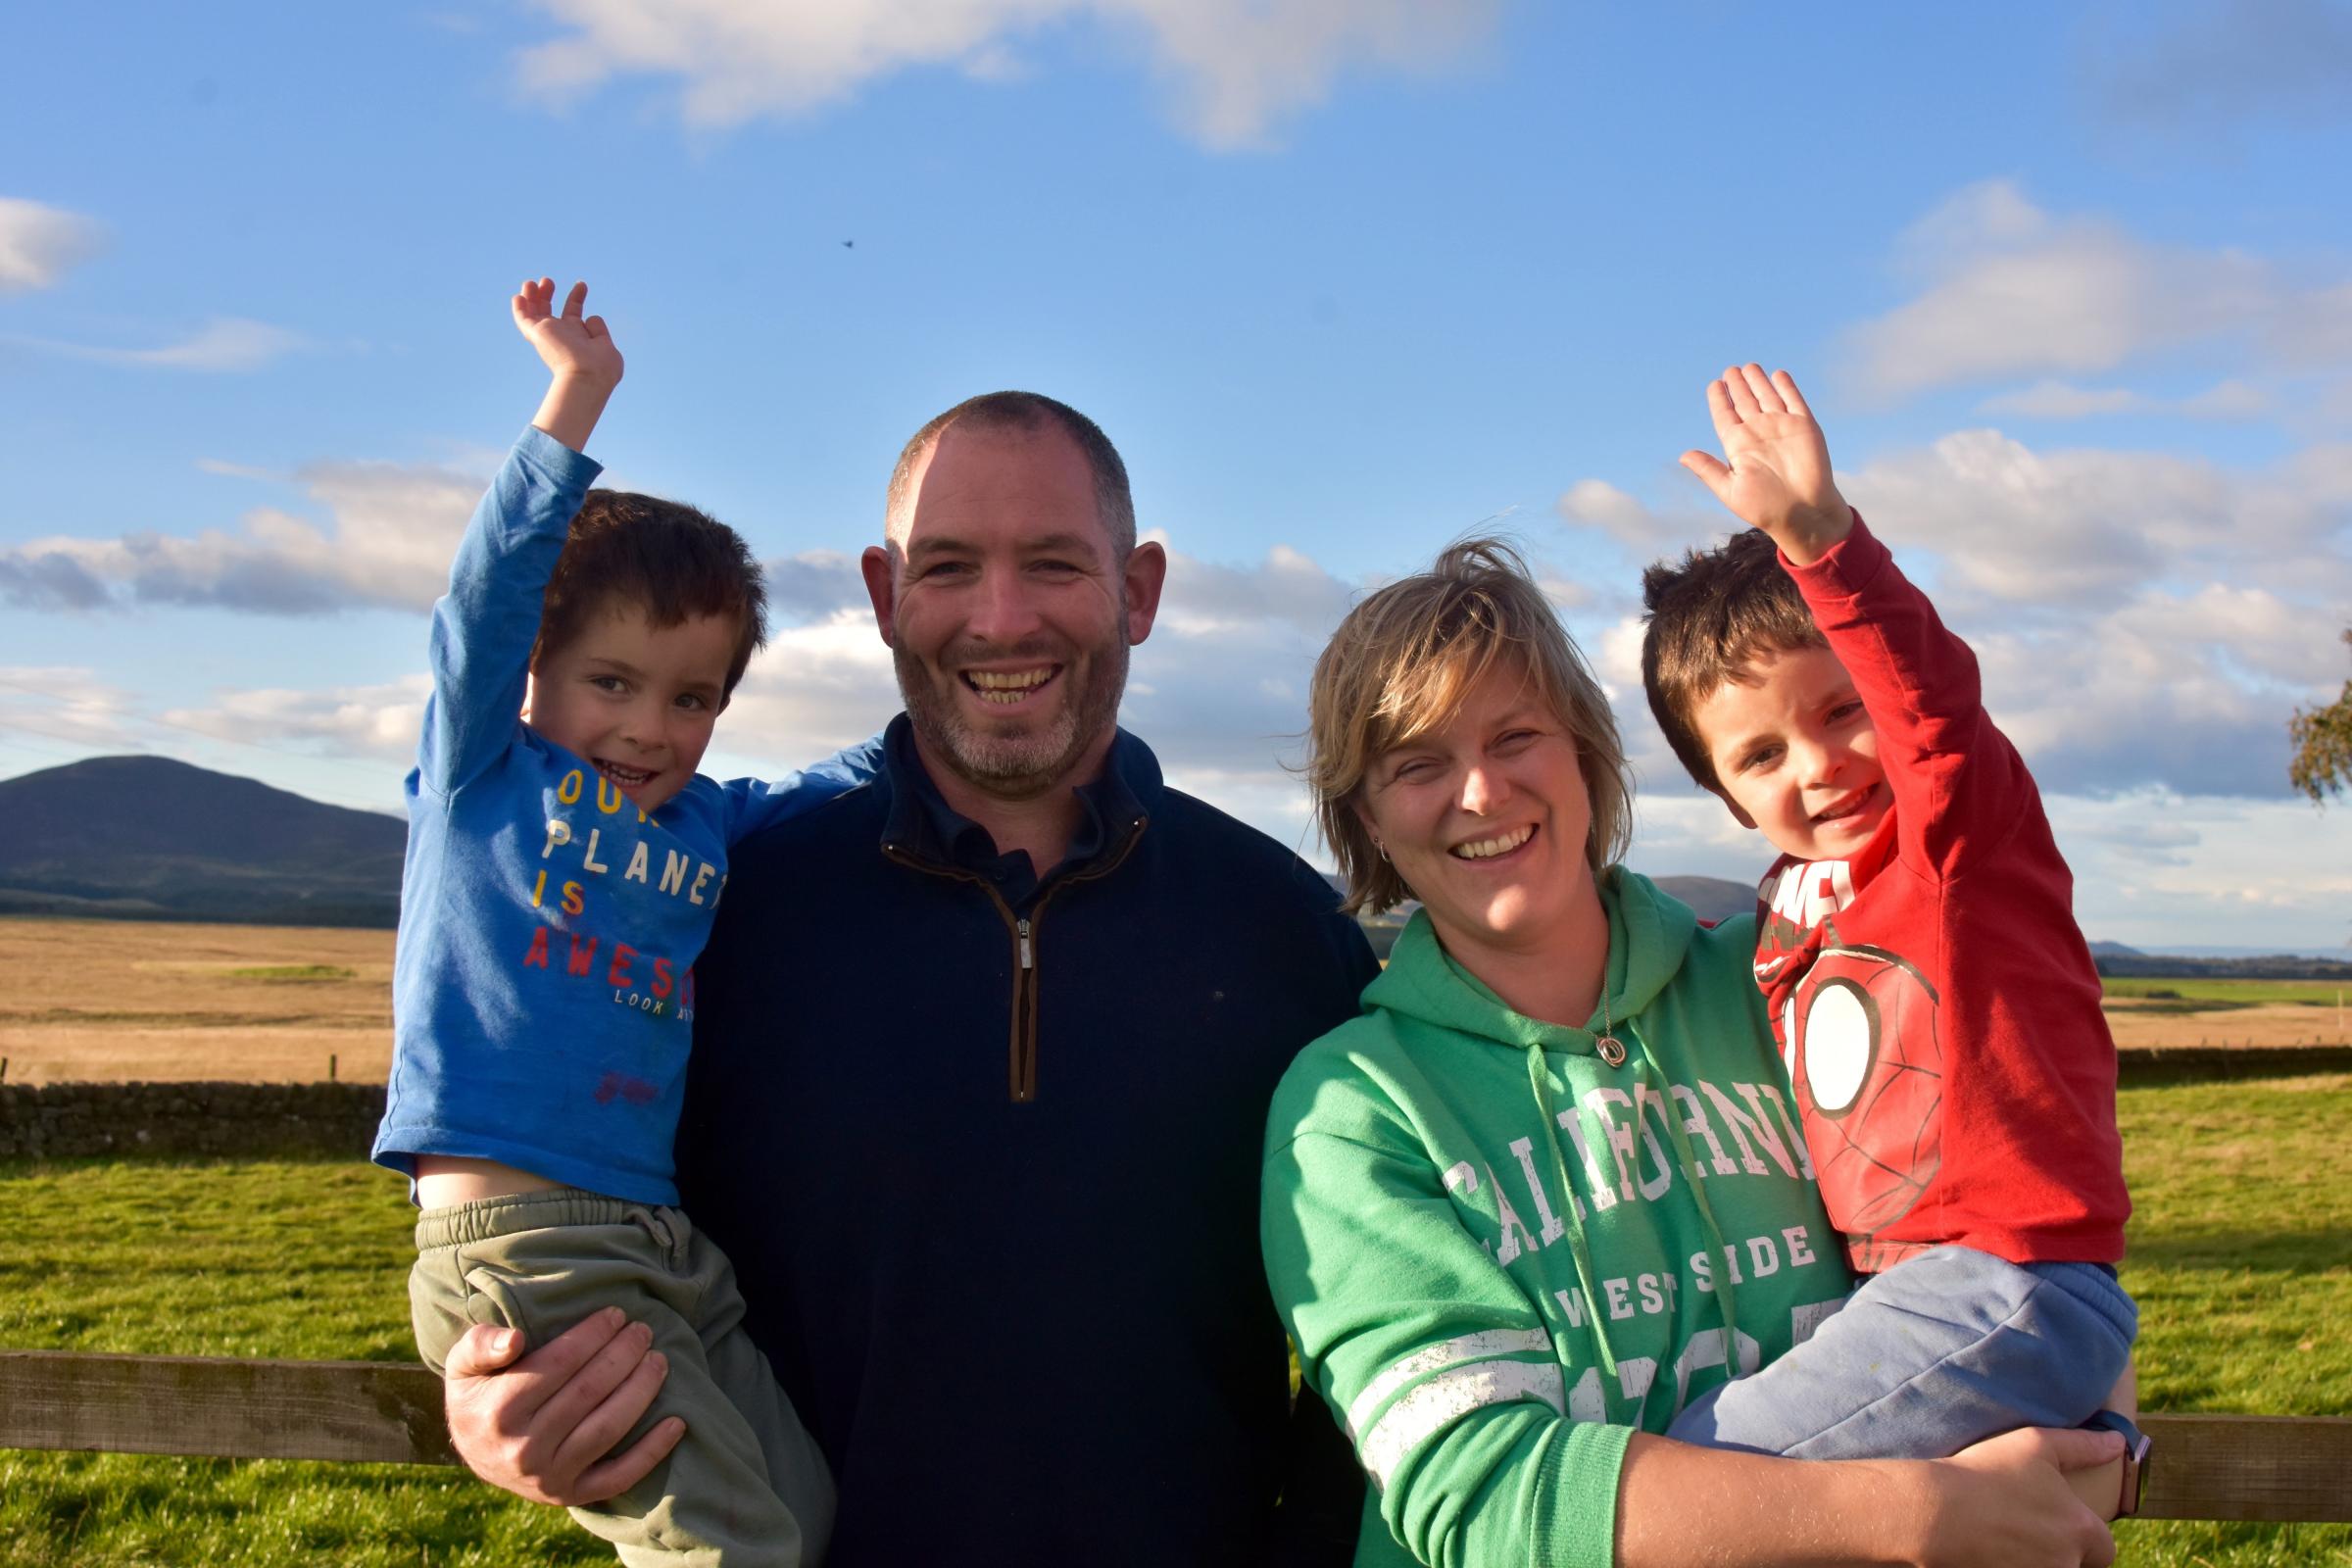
[(1939, 1351)]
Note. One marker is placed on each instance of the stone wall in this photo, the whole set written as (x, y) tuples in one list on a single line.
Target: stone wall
[(53, 1122)]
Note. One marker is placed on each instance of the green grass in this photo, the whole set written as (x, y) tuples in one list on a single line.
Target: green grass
[(287, 1258), (291, 973), (2241, 1258), (2211, 994), (2241, 1262)]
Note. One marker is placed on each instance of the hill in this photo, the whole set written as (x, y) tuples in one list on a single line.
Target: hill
[(148, 838)]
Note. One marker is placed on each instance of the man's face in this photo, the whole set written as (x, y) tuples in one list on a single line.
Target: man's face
[(1007, 617), (1796, 755)]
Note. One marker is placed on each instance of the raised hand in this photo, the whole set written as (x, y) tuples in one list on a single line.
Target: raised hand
[(579, 354), (1775, 470)]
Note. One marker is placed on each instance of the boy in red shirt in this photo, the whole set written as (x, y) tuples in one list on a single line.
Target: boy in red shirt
[(1931, 995)]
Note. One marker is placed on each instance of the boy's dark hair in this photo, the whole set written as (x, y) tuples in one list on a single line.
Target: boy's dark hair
[(662, 557), (1708, 618)]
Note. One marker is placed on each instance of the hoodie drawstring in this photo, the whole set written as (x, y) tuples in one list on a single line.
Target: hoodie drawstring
[(1651, 1077), (1538, 1078)]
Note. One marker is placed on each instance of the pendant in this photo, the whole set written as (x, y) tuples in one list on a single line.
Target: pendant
[(1611, 1049)]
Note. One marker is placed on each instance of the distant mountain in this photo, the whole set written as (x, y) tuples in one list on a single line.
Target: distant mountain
[(148, 838), (1710, 897)]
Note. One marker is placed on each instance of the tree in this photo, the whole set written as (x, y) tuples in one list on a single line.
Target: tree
[(2322, 762)]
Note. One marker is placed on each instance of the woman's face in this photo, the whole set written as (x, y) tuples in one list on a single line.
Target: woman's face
[(1486, 820)]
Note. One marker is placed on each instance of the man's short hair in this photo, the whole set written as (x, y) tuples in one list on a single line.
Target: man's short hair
[(1400, 668), (1030, 412), (664, 559), (1710, 616)]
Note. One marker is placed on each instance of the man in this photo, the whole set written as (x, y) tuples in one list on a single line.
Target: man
[(980, 1071)]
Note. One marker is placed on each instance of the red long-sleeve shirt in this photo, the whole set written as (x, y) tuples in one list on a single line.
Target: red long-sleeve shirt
[(1934, 998)]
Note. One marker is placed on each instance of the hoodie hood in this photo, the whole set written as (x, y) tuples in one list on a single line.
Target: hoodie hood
[(1649, 935)]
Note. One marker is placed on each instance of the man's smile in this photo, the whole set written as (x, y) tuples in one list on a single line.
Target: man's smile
[(1004, 688)]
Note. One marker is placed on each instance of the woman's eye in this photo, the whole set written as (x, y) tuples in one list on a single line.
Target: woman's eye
[(609, 683)]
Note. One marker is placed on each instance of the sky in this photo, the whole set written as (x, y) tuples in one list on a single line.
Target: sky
[(2070, 288)]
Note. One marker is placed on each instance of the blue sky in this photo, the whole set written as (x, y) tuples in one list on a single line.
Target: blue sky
[(2070, 287)]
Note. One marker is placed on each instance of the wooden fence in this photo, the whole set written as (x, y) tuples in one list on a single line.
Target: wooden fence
[(2271, 1469)]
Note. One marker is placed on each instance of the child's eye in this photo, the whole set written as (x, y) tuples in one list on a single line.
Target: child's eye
[(694, 701), (1761, 756), (1846, 709)]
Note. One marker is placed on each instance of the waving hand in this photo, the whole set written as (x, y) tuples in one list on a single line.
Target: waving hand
[(1774, 473)]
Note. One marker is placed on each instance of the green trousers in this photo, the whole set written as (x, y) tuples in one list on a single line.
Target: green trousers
[(746, 1488)]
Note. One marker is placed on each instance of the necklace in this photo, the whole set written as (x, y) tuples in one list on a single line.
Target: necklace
[(1606, 1042)]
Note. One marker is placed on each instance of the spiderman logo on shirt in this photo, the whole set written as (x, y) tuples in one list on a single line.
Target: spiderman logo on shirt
[(1866, 1058)]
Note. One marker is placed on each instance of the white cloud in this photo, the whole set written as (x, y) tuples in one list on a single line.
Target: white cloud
[(2011, 290), (388, 544), (67, 703), (2060, 400), (39, 244), (1236, 68), (224, 344), (2084, 529), (378, 721)]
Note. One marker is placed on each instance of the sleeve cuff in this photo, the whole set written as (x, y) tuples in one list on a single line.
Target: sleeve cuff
[(1576, 1499), (557, 461), (1845, 568)]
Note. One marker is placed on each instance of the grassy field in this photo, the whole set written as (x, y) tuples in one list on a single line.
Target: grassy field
[(2241, 1258), (109, 1001), (2217, 994)]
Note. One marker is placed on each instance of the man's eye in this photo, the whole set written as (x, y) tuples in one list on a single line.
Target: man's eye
[(946, 568), (1056, 569)]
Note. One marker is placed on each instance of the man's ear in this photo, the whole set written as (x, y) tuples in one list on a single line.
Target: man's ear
[(882, 587), (1146, 573), (1738, 816)]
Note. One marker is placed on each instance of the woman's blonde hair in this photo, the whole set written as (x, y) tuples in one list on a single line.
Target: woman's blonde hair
[(1399, 667)]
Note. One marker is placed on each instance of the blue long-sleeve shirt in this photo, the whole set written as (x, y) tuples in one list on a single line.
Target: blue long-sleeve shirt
[(543, 986)]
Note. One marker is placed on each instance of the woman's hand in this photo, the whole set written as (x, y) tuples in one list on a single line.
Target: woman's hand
[(541, 1427), (2007, 1501)]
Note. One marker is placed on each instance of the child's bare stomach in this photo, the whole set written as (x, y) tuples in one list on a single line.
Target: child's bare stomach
[(446, 1179)]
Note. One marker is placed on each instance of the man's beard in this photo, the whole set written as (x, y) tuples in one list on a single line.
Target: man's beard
[(1027, 763)]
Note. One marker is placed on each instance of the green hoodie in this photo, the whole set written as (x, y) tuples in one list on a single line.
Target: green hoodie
[(1500, 1256)]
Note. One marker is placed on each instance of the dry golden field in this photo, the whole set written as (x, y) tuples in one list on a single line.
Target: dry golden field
[(114, 1001)]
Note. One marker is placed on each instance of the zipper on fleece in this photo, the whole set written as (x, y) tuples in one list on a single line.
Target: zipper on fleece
[(1021, 1047)]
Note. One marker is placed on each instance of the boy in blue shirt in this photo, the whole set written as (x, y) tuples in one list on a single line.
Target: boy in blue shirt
[(561, 875)]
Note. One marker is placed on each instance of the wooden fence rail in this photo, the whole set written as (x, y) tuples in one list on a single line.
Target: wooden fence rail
[(2271, 1469)]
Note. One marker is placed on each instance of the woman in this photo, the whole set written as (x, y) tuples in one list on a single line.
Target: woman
[(1549, 1186)]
